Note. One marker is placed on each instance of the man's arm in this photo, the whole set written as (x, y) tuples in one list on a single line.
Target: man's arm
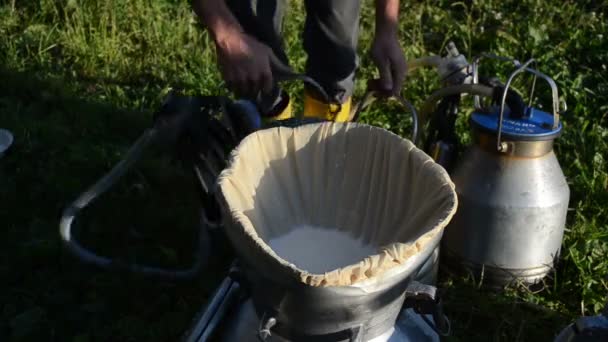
[(243, 61), (217, 18), (386, 49), (387, 15)]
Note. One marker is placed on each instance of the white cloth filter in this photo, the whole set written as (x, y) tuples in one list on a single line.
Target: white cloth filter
[(364, 181)]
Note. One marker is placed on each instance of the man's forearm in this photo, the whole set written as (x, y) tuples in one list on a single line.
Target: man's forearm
[(217, 18), (387, 15)]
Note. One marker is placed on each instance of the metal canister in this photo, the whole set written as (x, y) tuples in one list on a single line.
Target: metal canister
[(512, 193)]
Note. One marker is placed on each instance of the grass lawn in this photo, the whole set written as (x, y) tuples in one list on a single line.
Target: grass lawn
[(79, 80)]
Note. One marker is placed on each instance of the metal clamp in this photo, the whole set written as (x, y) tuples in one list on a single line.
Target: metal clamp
[(266, 324), (270, 325), (373, 93), (425, 301)]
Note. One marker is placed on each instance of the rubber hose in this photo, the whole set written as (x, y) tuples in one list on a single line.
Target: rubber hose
[(429, 105), (428, 61)]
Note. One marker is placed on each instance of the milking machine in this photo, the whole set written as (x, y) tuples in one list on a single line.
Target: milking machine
[(513, 196), (512, 202)]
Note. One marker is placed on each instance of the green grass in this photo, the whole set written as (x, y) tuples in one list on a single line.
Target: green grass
[(80, 78)]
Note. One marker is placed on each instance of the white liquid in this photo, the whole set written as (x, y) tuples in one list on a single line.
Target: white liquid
[(319, 250)]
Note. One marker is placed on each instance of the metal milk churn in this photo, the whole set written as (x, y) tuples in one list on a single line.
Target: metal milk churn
[(512, 192)]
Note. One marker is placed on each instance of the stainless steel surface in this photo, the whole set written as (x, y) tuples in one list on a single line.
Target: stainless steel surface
[(230, 315), (219, 319), (244, 326), (521, 148), (493, 276), (209, 323), (511, 215), (373, 304), (430, 268)]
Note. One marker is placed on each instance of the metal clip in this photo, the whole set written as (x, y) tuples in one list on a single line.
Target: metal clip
[(425, 301), (265, 326)]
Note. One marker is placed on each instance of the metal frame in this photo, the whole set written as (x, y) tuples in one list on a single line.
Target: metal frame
[(101, 186)]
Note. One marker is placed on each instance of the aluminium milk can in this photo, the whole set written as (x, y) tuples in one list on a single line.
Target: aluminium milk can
[(513, 196)]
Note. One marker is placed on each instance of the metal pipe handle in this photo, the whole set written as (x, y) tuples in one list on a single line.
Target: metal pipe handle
[(475, 70), (554, 93), (520, 69), (283, 73), (100, 187), (373, 92)]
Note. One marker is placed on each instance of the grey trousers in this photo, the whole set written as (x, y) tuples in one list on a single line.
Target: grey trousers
[(330, 37)]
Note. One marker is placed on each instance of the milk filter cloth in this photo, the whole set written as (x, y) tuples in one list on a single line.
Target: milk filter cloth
[(362, 182)]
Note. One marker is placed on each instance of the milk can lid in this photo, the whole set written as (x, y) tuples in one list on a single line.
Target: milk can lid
[(534, 125)]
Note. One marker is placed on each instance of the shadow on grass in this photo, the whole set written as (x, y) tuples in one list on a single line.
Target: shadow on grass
[(481, 314), (63, 143)]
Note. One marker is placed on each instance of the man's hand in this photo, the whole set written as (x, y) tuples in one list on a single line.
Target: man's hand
[(390, 61), (243, 60), (386, 50), (245, 64)]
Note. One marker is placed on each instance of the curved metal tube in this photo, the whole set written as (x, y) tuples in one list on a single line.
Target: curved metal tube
[(427, 61), (100, 187), (431, 101), (282, 72), (475, 70), (372, 95), (554, 93), (517, 71), (412, 110)]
